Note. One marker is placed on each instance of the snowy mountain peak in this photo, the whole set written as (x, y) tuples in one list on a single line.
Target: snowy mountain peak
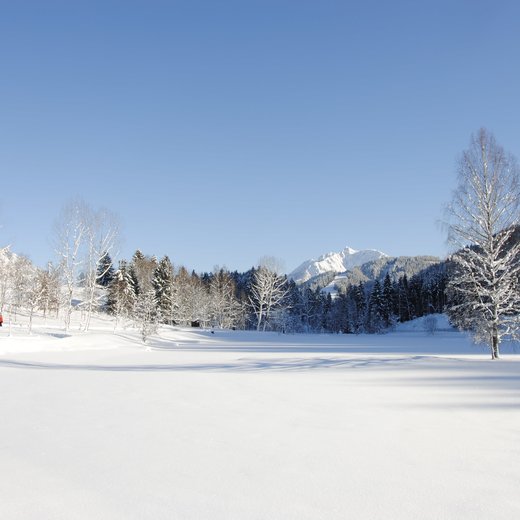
[(340, 262), (345, 252)]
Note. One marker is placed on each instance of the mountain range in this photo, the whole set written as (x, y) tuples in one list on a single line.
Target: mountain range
[(340, 262), (334, 271)]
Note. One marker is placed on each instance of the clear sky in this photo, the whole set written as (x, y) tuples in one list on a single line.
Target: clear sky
[(223, 131)]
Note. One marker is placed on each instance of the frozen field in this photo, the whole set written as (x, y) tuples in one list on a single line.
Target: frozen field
[(240, 425)]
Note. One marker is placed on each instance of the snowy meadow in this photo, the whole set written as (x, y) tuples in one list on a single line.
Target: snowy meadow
[(249, 425)]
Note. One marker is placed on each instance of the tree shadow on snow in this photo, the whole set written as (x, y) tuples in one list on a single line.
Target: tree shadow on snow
[(241, 365)]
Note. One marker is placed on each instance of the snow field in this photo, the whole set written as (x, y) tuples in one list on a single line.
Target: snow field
[(237, 425)]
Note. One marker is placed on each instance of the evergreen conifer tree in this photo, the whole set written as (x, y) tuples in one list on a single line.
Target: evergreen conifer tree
[(105, 272), (359, 308), (121, 293), (163, 284), (388, 297), (403, 296), (376, 309)]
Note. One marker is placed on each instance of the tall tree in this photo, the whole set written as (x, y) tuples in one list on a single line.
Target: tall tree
[(23, 280), (268, 291), (83, 239), (376, 309), (388, 302), (121, 293), (481, 221), (164, 285), (225, 309), (105, 273), (358, 308), (6, 268), (70, 232), (182, 297), (147, 316), (102, 233), (404, 304), (142, 269), (49, 287)]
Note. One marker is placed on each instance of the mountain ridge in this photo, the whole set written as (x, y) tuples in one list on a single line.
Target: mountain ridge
[(337, 262)]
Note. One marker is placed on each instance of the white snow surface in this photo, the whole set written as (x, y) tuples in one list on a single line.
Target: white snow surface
[(340, 262), (245, 425)]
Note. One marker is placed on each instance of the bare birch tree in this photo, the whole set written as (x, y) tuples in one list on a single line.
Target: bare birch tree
[(49, 286), (6, 267), (34, 292), (482, 219), (83, 237), (268, 291), (23, 277), (70, 231)]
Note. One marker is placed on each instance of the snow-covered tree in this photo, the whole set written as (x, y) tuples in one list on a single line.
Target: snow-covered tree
[(101, 236), (182, 297), (404, 307), (268, 291), (199, 301), (483, 217), (83, 239), (23, 281), (358, 308), (48, 282), (191, 301), (121, 293), (6, 268), (164, 285), (309, 306), (105, 273), (34, 292), (70, 231), (225, 309), (388, 298), (376, 310), (142, 271), (146, 314), (143, 268)]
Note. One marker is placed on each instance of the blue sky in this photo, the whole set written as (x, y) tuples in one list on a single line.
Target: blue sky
[(221, 132)]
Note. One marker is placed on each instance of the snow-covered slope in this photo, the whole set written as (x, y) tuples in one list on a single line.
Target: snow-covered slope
[(248, 425), (334, 262)]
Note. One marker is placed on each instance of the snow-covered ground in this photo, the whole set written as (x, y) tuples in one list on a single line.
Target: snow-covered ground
[(245, 425)]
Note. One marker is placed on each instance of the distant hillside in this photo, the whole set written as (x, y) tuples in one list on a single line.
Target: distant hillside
[(395, 267), (345, 260)]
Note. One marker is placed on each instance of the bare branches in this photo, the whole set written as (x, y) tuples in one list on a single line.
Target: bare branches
[(483, 217), (268, 291), (83, 237)]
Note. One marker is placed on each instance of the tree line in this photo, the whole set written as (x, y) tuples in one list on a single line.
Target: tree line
[(478, 286), (154, 292), (149, 292)]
